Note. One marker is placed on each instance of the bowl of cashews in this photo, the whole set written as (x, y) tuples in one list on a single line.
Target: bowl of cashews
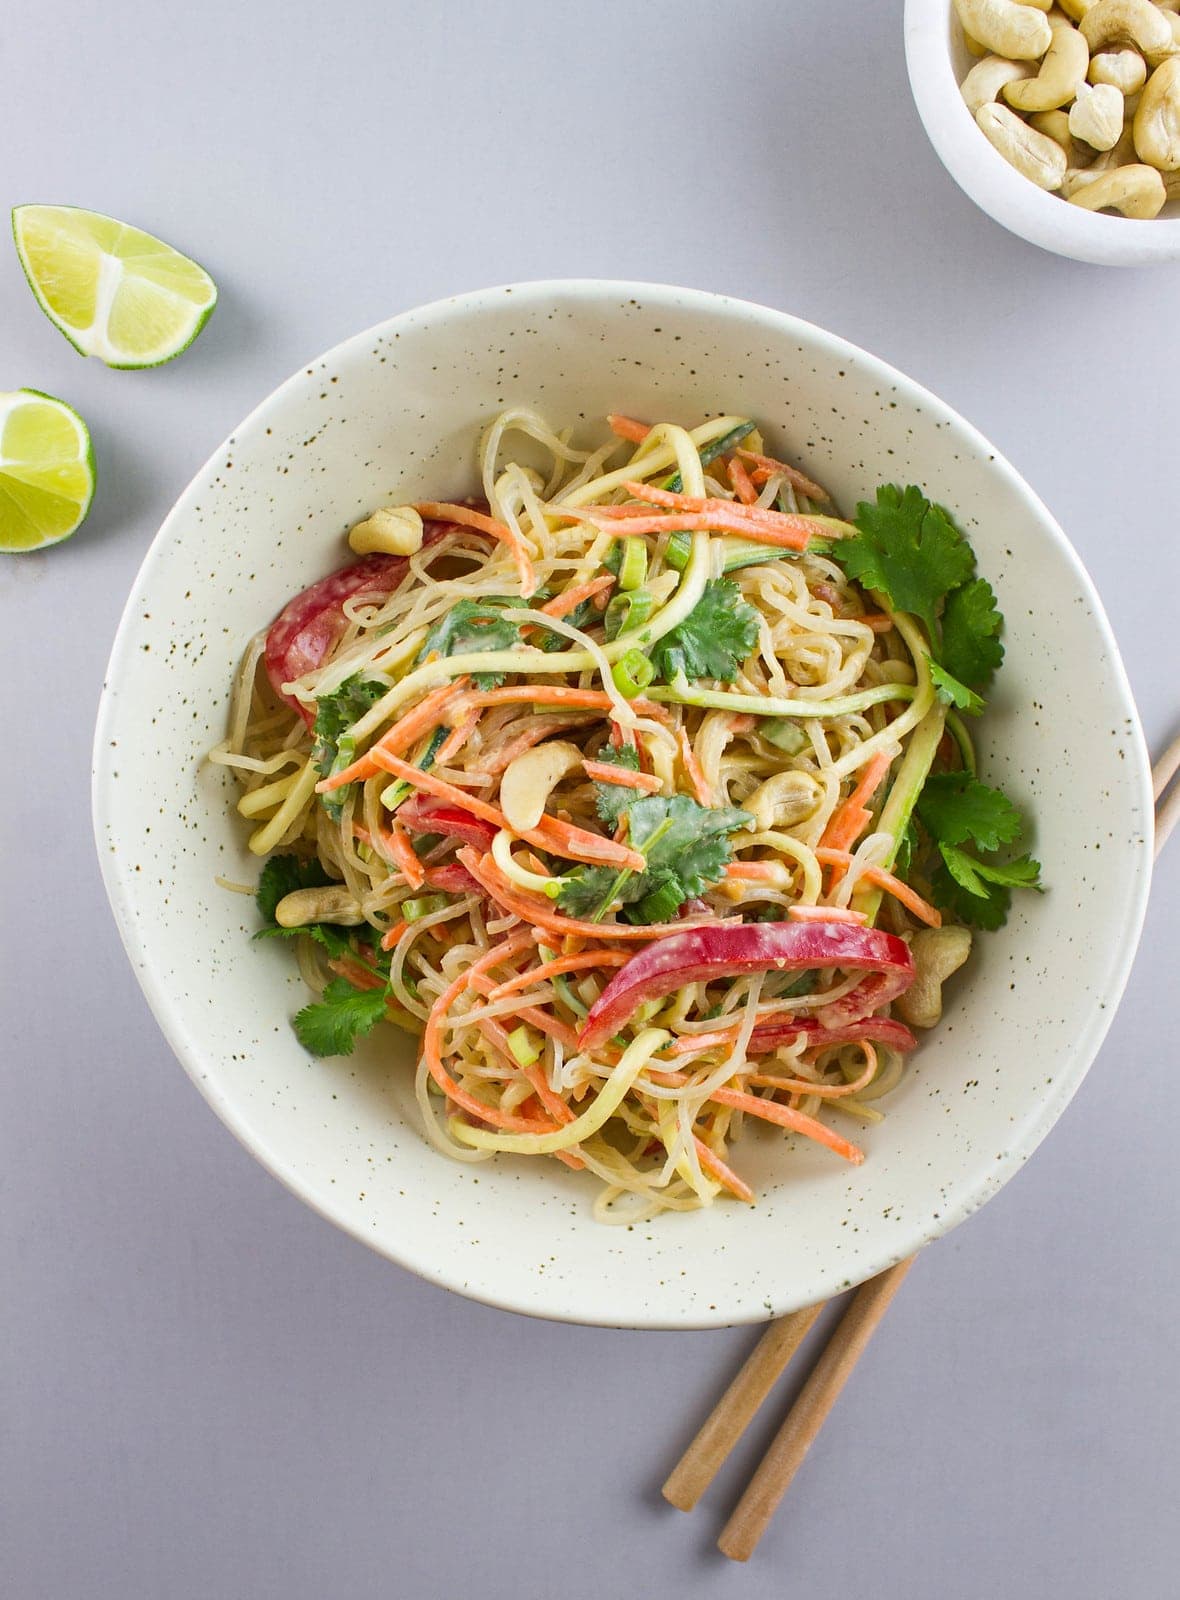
[(1061, 121)]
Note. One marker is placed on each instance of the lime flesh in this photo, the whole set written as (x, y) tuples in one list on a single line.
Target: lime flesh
[(114, 291), (46, 470)]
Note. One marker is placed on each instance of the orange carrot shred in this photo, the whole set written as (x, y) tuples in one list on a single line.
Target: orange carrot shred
[(404, 858), (443, 511), (606, 772), (628, 428), (696, 776), (780, 469), (885, 880), (740, 480)]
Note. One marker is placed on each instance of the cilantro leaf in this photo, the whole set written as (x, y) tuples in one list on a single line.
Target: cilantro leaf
[(686, 848), (281, 876), (954, 807), (953, 693), (612, 799), (909, 550), (474, 625), (971, 622), (989, 911), (694, 849), (334, 748), (713, 640), (586, 890), (331, 1025)]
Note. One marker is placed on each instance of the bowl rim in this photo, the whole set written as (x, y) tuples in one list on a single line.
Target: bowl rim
[(119, 881), (997, 188)]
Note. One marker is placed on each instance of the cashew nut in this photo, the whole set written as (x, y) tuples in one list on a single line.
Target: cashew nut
[(983, 83), (1008, 29), (1171, 184), (783, 800), (937, 952), (1136, 191), (1096, 116), (530, 779), (332, 903), (1076, 8), (1125, 69), (974, 47), (1157, 120), (1062, 73), (1031, 153), (1127, 22), (391, 530)]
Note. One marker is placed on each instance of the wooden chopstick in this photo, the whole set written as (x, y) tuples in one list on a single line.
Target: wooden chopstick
[(806, 1417), (732, 1414)]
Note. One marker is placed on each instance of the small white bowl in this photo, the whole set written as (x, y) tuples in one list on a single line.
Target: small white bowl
[(938, 61), (394, 414)]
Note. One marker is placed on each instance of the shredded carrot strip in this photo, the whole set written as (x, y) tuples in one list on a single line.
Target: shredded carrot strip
[(404, 858), (467, 518), (392, 935), (740, 480), (541, 1020), (696, 776), (570, 599), (628, 428), (420, 719), (605, 772), (550, 833), (432, 1043), (885, 880), (749, 516), (742, 722), (780, 469), (550, 694), (539, 913), (850, 820), (879, 621), (723, 516), (538, 728), (553, 969), (756, 871), (826, 914), (725, 1175), (457, 738), (772, 1111)]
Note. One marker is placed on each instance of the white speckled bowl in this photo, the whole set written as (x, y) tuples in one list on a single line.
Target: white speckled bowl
[(938, 61), (394, 414)]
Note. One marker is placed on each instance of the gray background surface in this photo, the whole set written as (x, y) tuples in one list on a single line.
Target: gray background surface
[(206, 1391)]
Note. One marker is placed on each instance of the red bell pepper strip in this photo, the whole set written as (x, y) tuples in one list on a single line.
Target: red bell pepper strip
[(307, 629), (704, 954), (880, 1030), (421, 815)]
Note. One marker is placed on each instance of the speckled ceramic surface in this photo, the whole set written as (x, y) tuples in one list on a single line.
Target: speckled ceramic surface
[(938, 61), (393, 414)]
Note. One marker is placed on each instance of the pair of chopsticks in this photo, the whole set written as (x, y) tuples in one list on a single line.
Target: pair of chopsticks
[(735, 1410)]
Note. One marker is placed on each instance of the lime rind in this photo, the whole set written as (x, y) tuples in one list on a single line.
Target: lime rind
[(103, 284)]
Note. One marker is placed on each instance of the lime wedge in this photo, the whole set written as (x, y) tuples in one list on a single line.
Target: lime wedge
[(46, 470), (115, 292)]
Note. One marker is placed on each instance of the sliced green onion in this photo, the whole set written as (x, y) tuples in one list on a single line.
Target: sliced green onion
[(633, 566), (395, 793), (414, 910), (957, 729), (678, 550), (523, 1049), (658, 906), (632, 673), (626, 612), (710, 452), (562, 984), (784, 735)]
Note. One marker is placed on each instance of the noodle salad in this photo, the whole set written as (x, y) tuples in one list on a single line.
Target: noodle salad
[(640, 791)]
